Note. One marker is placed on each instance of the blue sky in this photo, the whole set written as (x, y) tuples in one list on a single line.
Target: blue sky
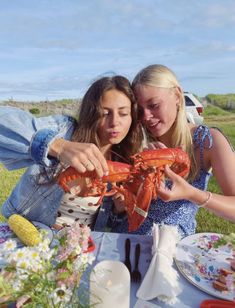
[(54, 49)]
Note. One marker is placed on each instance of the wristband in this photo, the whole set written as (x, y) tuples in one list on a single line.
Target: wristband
[(207, 200)]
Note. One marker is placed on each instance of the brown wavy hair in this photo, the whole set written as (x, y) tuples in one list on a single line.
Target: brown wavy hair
[(90, 114)]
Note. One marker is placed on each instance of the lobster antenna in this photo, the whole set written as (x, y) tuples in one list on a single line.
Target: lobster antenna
[(120, 156)]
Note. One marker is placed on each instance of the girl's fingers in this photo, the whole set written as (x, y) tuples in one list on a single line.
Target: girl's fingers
[(100, 162), (169, 173), (118, 196), (119, 203), (86, 157), (156, 145)]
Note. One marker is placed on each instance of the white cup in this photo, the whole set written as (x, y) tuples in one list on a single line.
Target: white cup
[(110, 285)]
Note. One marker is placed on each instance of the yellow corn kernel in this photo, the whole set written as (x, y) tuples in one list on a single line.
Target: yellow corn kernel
[(24, 230)]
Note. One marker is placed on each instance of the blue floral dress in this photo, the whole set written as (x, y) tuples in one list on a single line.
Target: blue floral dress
[(181, 212)]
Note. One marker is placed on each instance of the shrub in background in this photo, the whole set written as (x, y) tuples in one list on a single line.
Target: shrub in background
[(34, 111)]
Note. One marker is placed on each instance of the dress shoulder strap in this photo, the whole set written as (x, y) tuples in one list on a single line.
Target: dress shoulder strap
[(201, 135)]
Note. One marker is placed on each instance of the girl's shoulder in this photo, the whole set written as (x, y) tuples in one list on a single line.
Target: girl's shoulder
[(220, 137)]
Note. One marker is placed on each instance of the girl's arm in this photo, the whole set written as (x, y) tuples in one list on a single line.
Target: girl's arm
[(25, 139), (222, 160)]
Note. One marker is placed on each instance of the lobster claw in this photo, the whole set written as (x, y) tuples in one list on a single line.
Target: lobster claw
[(136, 219), (143, 200)]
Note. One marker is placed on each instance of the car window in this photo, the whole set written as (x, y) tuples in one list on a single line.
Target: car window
[(188, 101)]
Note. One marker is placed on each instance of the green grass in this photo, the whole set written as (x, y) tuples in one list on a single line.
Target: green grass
[(212, 110), (209, 222), (206, 221), (8, 181), (225, 101)]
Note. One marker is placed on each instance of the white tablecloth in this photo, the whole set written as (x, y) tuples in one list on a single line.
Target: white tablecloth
[(111, 246)]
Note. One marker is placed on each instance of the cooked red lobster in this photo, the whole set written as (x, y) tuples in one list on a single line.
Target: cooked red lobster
[(138, 181)]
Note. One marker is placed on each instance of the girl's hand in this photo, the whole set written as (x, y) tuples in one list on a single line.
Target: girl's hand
[(119, 203), (180, 189), (155, 145), (82, 156)]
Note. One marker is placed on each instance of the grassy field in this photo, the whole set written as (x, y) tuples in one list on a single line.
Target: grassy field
[(207, 222)]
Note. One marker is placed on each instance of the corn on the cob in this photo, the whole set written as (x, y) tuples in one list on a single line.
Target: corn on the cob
[(24, 229)]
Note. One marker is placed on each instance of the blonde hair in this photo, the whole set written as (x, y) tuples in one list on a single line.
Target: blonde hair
[(162, 77)]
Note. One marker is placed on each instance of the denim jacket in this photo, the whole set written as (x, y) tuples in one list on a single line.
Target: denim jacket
[(24, 143)]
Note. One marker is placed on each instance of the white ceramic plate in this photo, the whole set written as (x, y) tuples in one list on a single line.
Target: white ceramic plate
[(199, 262)]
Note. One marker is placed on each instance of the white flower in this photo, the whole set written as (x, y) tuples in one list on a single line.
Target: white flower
[(24, 264), (9, 245), (44, 246), (61, 295), (84, 258), (51, 276), (91, 258), (81, 262), (78, 250), (21, 274), (20, 254), (36, 267), (17, 284), (48, 255), (34, 255)]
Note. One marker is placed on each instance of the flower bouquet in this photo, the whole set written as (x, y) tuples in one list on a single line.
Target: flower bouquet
[(41, 276)]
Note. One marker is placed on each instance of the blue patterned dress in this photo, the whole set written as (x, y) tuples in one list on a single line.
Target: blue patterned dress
[(181, 212)]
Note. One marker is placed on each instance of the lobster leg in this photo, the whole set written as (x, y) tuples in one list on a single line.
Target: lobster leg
[(130, 199), (103, 193)]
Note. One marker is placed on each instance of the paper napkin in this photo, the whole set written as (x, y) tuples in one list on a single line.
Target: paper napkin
[(144, 304), (161, 279)]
